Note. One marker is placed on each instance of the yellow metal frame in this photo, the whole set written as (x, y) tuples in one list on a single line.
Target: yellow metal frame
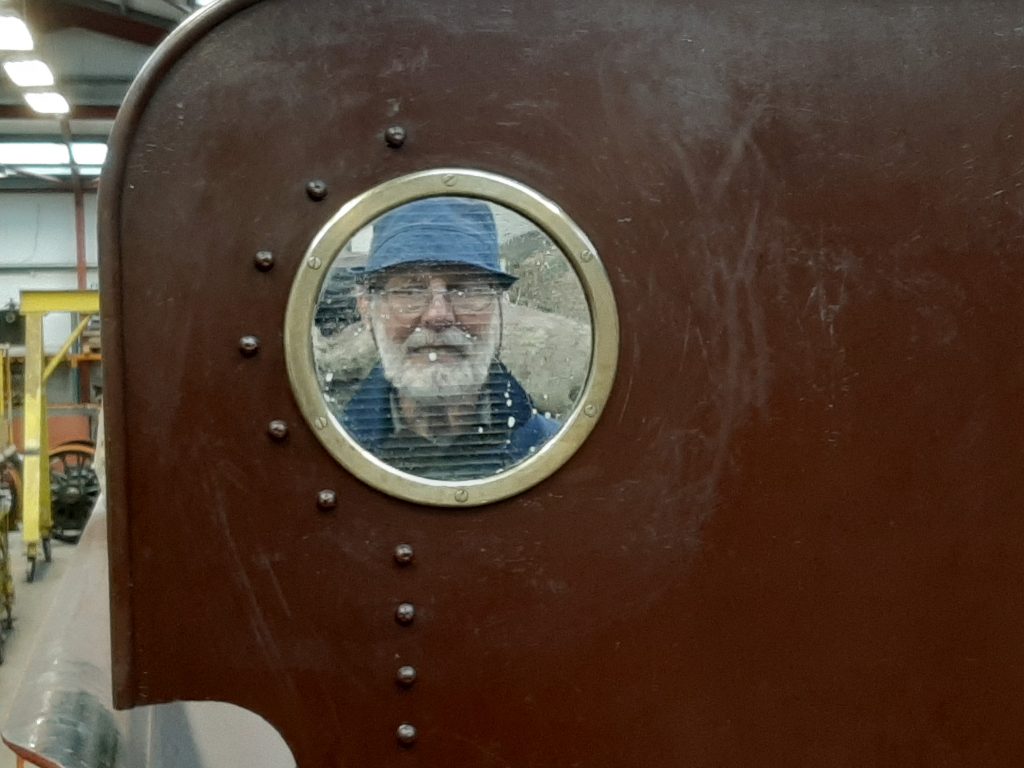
[(6, 443), (6, 400), (36, 515)]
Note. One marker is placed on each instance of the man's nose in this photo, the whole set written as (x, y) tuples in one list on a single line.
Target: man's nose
[(438, 313)]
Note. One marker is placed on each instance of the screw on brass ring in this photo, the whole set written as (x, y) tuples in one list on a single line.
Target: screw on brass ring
[(317, 190), (264, 261), (249, 345), (404, 554), (405, 613), (406, 676), (278, 429), (327, 500)]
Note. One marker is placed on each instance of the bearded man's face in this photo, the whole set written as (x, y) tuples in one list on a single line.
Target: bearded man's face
[(436, 330)]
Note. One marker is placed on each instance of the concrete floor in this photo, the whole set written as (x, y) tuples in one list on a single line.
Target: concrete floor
[(32, 603)]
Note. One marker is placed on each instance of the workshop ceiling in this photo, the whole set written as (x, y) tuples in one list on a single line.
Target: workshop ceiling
[(94, 48)]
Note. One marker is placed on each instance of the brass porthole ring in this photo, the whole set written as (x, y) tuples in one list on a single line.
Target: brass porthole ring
[(551, 220)]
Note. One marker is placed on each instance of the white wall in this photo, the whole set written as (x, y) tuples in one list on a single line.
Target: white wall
[(38, 250)]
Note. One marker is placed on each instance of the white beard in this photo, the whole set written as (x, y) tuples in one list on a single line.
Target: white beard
[(435, 380)]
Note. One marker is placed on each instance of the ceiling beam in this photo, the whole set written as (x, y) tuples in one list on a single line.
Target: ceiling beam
[(78, 112), (97, 16)]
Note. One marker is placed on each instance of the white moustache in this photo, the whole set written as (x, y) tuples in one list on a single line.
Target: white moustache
[(449, 337)]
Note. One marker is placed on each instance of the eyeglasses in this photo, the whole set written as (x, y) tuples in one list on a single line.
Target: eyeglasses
[(412, 300)]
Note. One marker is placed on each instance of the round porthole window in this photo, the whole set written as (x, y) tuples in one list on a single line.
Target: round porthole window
[(451, 337)]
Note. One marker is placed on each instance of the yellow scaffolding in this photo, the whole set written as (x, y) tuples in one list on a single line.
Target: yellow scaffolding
[(36, 514), (6, 499)]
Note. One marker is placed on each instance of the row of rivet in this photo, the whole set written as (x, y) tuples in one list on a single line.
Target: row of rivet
[(406, 674), (327, 499)]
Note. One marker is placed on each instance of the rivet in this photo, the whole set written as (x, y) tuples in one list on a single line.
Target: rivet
[(586, 255), (394, 136), (403, 554), (461, 495), (406, 676), (314, 262), (405, 613), (327, 500), (590, 409), (320, 422), (406, 734), (278, 429), (264, 261), (317, 190), (449, 180), (249, 345)]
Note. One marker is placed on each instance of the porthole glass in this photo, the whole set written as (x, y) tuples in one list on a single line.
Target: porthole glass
[(451, 337)]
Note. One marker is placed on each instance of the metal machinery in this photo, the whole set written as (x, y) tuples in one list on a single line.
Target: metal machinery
[(59, 490), (8, 496), (780, 523)]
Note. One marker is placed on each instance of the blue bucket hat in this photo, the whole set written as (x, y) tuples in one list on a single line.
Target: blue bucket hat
[(437, 230)]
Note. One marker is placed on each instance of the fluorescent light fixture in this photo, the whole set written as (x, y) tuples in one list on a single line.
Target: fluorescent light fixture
[(89, 153), (33, 153), (29, 74), (48, 103), (201, 3), (59, 170), (14, 35)]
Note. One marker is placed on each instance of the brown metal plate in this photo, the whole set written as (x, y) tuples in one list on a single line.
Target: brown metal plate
[(794, 538)]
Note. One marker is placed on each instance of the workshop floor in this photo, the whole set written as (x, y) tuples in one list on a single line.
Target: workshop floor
[(32, 603)]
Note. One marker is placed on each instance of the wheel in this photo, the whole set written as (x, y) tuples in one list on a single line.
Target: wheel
[(74, 487)]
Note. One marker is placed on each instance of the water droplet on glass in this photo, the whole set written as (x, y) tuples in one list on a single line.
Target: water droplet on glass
[(508, 403), (432, 357), (329, 377), (547, 414), (480, 430), (511, 420)]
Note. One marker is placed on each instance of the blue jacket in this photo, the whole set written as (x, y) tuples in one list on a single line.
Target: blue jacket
[(509, 431)]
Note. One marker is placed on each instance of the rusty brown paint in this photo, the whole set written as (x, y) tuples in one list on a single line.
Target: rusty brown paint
[(794, 538)]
